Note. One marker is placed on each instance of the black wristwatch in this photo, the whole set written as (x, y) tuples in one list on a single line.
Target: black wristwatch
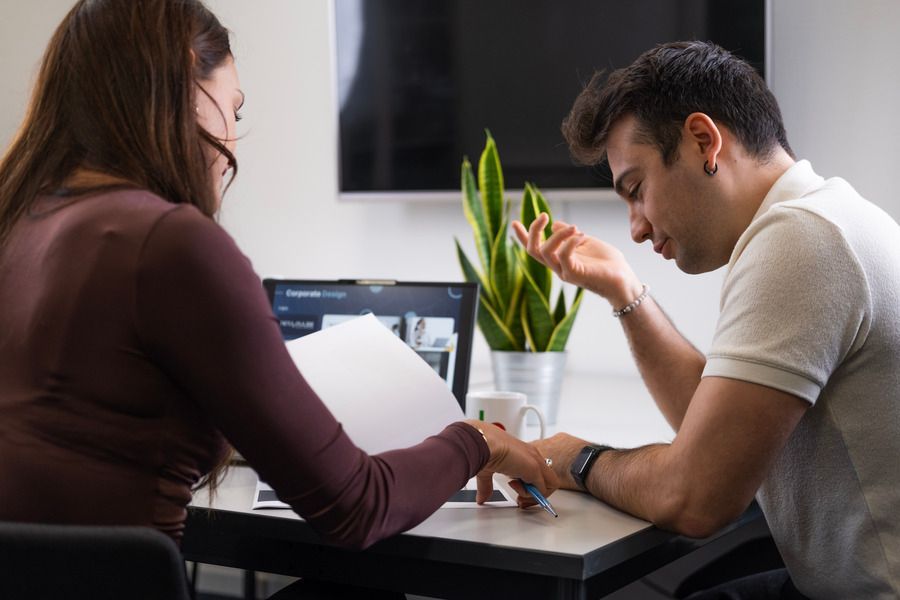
[(583, 463)]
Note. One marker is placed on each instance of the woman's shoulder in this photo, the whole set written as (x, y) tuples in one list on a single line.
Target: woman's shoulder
[(136, 219), (135, 213), (135, 203), (175, 233)]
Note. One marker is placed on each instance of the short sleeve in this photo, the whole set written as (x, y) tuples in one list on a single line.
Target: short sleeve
[(794, 304)]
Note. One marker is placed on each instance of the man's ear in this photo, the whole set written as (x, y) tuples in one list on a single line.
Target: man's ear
[(704, 137)]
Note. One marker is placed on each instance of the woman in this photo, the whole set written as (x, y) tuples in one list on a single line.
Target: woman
[(420, 337), (135, 338)]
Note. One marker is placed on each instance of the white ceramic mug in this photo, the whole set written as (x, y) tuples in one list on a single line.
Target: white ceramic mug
[(504, 409)]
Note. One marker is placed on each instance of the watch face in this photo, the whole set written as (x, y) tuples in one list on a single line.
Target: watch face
[(582, 460)]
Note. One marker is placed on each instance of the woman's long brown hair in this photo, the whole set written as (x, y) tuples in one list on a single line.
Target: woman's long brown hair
[(116, 94)]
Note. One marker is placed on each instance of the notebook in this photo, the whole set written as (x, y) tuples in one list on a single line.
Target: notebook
[(437, 320)]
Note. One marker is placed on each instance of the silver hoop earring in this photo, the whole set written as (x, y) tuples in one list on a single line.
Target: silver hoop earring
[(709, 171)]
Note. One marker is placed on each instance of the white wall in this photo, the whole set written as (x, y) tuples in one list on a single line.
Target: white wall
[(836, 74), (25, 29), (833, 73)]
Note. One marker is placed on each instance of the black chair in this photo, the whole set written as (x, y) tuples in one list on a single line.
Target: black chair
[(89, 562)]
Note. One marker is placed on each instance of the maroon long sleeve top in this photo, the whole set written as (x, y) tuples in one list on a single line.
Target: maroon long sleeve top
[(135, 339)]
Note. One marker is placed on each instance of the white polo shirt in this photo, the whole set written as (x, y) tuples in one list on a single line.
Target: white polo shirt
[(811, 305)]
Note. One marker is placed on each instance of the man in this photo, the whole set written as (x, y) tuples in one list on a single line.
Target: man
[(798, 400)]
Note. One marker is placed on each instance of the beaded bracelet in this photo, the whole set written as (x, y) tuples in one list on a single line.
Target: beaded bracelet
[(634, 304)]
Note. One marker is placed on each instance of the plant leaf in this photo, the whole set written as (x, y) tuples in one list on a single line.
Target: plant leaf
[(541, 274), (528, 214), (541, 205), (472, 275), (540, 321), (474, 212), (523, 318), (490, 182), (561, 333), (559, 313), (502, 272), (512, 308), (513, 319), (496, 334), (523, 259)]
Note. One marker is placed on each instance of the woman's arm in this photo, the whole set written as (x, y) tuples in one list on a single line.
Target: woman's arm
[(204, 318)]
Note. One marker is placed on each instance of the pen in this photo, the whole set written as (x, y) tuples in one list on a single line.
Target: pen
[(545, 504)]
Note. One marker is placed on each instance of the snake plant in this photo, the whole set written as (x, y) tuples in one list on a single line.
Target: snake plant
[(515, 310)]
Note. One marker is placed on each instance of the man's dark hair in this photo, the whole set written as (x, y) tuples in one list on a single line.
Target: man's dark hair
[(662, 87)]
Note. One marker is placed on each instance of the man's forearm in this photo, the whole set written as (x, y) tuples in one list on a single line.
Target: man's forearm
[(645, 482), (631, 481), (669, 364), (732, 434), (642, 481)]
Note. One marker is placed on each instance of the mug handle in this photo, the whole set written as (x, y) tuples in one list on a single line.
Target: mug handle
[(539, 414)]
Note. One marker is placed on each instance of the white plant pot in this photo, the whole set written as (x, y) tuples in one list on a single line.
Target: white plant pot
[(538, 375)]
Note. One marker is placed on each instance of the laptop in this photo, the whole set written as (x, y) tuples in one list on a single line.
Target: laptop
[(437, 320)]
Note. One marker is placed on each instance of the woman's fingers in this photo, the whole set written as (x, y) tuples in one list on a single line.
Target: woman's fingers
[(537, 472), (525, 500), (515, 459), (485, 482)]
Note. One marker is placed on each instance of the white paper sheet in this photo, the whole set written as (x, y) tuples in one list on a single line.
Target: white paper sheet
[(382, 392)]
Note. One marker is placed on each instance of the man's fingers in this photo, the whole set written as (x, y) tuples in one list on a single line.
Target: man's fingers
[(545, 251), (550, 248), (567, 254), (521, 233), (535, 232)]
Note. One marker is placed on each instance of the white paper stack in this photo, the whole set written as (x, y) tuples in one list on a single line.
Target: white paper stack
[(385, 396)]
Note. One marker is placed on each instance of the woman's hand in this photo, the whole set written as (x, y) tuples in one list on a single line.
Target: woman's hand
[(581, 260), (516, 459)]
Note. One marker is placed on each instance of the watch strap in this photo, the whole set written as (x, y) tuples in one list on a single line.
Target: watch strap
[(584, 462)]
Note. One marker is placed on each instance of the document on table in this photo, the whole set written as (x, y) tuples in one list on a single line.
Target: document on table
[(502, 497), (382, 392)]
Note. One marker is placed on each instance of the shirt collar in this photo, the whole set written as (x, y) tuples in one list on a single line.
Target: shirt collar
[(794, 183)]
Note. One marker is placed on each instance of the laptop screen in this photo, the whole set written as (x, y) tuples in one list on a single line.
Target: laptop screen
[(437, 320)]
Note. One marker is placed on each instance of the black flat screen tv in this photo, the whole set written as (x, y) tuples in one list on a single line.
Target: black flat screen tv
[(419, 81)]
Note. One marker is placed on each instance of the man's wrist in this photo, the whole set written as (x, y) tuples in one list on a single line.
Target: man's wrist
[(562, 448), (631, 306), (584, 461), (625, 293)]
